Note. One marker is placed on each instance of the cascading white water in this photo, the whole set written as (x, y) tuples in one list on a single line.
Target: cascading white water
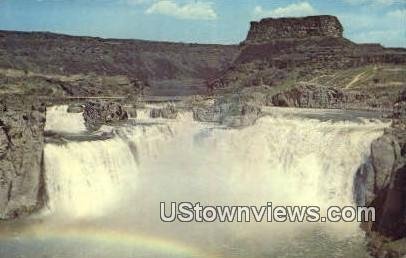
[(59, 120), (86, 179), (285, 159)]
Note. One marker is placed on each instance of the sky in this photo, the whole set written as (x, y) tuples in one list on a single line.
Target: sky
[(200, 21)]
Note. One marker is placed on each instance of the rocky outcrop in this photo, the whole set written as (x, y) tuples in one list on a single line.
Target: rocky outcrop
[(232, 113), (314, 41), (399, 109), (168, 112), (383, 178), (277, 51), (287, 28), (309, 95), (22, 185), (98, 113)]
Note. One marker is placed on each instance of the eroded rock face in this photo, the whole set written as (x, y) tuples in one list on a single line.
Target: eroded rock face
[(22, 186), (309, 96), (168, 112), (399, 109), (384, 177), (385, 151), (287, 28), (98, 113)]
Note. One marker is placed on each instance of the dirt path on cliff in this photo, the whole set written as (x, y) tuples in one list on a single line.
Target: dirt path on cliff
[(355, 80)]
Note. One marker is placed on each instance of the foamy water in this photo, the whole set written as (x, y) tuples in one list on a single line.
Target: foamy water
[(105, 195)]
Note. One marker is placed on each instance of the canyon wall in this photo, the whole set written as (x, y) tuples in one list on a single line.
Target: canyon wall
[(22, 187), (277, 49), (287, 28), (48, 63), (381, 183)]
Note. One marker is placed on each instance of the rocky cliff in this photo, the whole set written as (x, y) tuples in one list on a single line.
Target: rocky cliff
[(22, 188), (48, 63), (381, 183), (270, 29), (313, 95), (275, 51), (283, 49)]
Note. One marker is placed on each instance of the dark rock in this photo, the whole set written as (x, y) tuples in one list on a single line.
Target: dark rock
[(286, 28), (385, 151), (399, 109), (168, 112), (4, 142), (388, 170), (61, 138), (364, 184), (22, 186), (75, 108), (99, 113)]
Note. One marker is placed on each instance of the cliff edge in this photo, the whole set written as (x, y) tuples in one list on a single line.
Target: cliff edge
[(269, 29), (22, 183)]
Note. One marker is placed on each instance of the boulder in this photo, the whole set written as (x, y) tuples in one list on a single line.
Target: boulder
[(99, 113)]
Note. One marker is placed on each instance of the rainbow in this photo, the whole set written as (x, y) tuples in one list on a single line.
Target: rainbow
[(114, 237)]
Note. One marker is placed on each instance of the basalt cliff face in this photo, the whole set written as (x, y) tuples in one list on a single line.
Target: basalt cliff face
[(59, 65), (381, 183), (275, 53), (288, 28), (280, 52), (22, 187)]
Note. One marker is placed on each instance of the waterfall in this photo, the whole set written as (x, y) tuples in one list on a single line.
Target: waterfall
[(59, 120), (286, 158)]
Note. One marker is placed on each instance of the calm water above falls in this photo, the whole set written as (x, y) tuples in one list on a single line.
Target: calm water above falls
[(104, 195)]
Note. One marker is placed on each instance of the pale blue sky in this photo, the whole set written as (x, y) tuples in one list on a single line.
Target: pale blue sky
[(202, 21)]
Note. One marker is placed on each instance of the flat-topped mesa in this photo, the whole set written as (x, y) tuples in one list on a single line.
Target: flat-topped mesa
[(270, 29)]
